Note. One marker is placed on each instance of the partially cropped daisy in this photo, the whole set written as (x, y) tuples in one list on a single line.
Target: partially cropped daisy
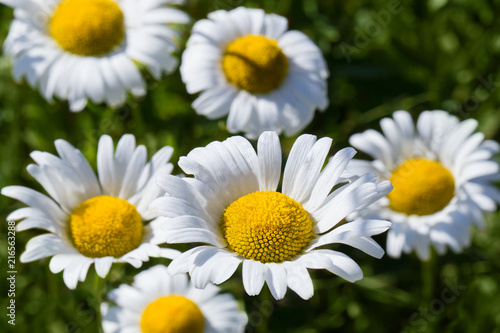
[(92, 220), (159, 303), (78, 50), (442, 175), (233, 206), (245, 63)]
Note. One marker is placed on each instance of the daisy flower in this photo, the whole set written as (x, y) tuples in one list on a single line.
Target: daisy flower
[(442, 175), (247, 64), (233, 206), (89, 219), (77, 50), (157, 302)]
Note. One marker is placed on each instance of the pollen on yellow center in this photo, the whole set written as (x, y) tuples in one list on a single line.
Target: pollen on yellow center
[(172, 314), (255, 63), (87, 27), (421, 187), (267, 226), (105, 226)]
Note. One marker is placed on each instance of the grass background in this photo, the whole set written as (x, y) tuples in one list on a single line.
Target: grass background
[(425, 55)]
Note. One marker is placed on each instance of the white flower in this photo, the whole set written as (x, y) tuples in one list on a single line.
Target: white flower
[(232, 205), (77, 50), (92, 220), (247, 64), (157, 302), (441, 173)]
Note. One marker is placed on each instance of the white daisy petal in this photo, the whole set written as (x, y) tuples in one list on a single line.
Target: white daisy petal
[(349, 199), (216, 102), (214, 64), (395, 242), (269, 152), (296, 158), (60, 67), (276, 280), (254, 275), (329, 177), (150, 297), (87, 222), (335, 262), (357, 229), (442, 175), (250, 221), (298, 280), (102, 266)]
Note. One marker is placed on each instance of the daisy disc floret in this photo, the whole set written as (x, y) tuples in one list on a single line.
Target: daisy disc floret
[(159, 303), (442, 173), (233, 206), (246, 64), (92, 220), (80, 50), (75, 33)]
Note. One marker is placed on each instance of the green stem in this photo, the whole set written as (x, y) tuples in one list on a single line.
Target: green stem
[(97, 292), (428, 277), (265, 307)]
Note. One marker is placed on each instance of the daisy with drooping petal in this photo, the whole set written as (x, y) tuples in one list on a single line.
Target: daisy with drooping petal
[(90, 219), (159, 303), (245, 63), (233, 206), (442, 175), (78, 50)]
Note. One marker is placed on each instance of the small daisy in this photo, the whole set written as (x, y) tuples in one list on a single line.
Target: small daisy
[(92, 220), (232, 205), (247, 64), (442, 175), (159, 303), (77, 50)]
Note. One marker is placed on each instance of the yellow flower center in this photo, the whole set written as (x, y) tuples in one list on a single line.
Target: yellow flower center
[(172, 314), (255, 64), (105, 226), (88, 27), (267, 226), (421, 187)]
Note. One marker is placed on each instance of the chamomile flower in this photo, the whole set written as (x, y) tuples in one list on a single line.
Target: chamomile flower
[(78, 50), (442, 175), (245, 63), (92, 220), (233, 206), (157, 302)]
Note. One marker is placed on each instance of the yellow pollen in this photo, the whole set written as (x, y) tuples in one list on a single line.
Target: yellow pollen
[(255, 64), (172, 314), (421, 187), (267, 226), (88, 27), (105, 226)]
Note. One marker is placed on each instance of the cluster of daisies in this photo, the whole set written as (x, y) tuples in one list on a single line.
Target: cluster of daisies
[(427, 183)]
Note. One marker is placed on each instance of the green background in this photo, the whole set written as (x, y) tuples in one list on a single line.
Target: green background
[(424, 55)]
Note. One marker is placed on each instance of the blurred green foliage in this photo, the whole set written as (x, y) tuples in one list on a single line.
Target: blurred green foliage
[(435, 54)]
